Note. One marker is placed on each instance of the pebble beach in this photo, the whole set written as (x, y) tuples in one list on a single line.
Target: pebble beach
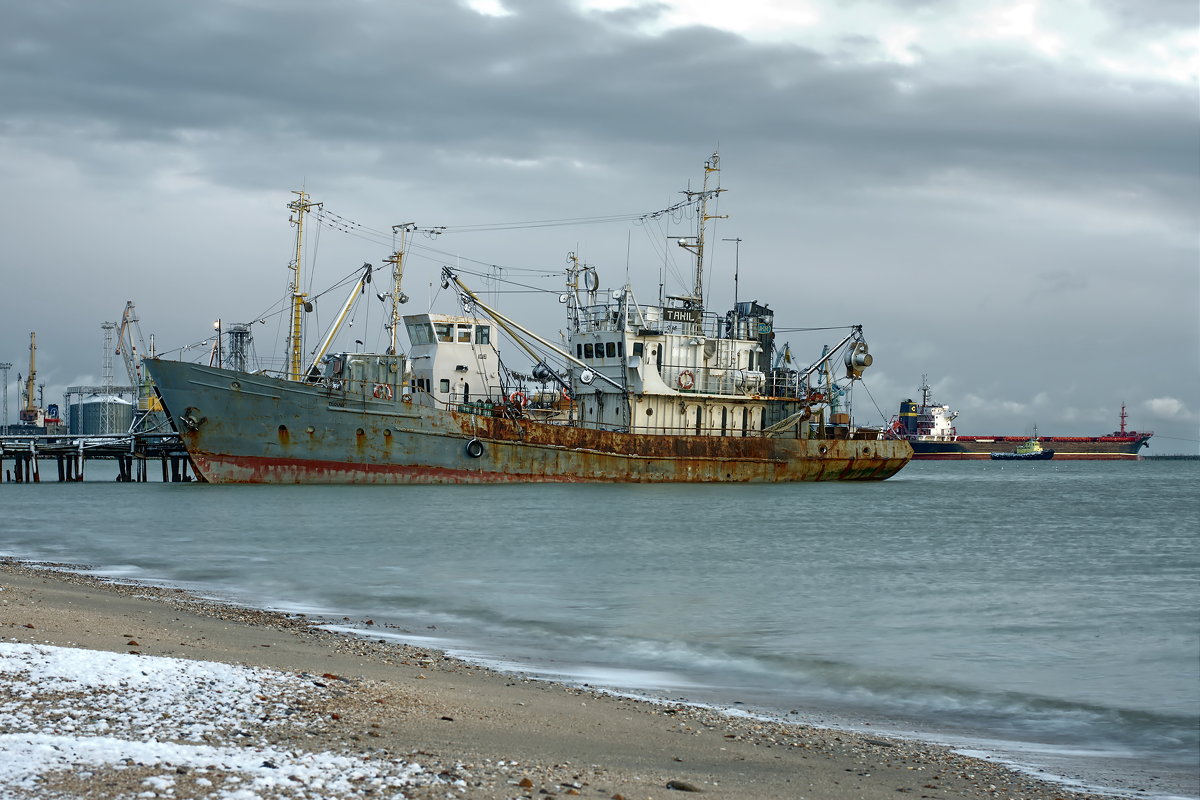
[(116, 689)]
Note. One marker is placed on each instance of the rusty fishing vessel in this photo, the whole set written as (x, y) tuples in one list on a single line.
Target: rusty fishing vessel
[(658, 392)]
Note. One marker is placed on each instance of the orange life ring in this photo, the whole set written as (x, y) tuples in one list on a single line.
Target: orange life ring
[(383, 391), (686, 379), (518, 398), (566, 396), (815, 397)]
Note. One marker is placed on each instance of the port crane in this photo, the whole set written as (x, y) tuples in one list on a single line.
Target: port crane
[(132, 349), (30, 414)]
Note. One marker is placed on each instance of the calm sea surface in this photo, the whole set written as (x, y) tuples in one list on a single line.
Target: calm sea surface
[(1042, 613)]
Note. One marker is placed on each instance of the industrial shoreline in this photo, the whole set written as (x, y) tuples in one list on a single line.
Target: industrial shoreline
[(475, 732)]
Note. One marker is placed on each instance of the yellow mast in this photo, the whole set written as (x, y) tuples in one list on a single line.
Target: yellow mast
[(300, 206)]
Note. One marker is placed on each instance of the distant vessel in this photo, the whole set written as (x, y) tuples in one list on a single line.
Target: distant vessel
[(1030, 450), (655, 392), (929, 428)]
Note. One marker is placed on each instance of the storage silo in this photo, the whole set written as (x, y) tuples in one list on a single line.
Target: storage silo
[(100, 414)]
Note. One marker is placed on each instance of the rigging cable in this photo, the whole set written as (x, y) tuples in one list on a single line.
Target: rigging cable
[(882, 416)]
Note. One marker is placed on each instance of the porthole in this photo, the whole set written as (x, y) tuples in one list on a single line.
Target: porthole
[(360, 432), (387, 432)]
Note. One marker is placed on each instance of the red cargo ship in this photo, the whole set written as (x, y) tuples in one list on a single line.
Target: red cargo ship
[(929, 428)]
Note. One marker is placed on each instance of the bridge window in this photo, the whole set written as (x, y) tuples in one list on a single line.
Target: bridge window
[(589, 351), (610, 349), (444, 385), (420, 333), (483, 334), (444, 331), (464, 334)]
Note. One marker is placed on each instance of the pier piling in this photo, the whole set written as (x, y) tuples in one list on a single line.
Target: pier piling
[(131, 452)]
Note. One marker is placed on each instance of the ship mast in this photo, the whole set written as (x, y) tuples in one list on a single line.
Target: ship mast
[(396, 259), (300, 206), (696, 247)]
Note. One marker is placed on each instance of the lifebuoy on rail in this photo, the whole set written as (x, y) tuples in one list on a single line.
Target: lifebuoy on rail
[(383, 391), (686, 379), (474, 448), (518, 399)]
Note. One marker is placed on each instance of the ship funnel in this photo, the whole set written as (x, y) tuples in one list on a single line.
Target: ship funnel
[(857, 359)]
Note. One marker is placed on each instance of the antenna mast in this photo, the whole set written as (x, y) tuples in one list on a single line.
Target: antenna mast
[(697, 247), (300, 207), (5, 367), (107, 411)]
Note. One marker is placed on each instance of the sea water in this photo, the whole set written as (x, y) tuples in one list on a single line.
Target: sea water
[(1042, 613)]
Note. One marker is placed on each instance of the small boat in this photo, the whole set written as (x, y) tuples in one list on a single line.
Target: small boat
[(1030, 450)]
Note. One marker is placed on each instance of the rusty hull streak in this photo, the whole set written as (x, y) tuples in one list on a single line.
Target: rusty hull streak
[(519, 451)]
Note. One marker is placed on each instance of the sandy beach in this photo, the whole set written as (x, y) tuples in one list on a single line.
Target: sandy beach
[(113, 689)]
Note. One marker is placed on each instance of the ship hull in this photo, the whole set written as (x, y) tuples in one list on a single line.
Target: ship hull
[(1066, 448), (244, 428)]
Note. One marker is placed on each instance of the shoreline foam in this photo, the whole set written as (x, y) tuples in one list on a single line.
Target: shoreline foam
[(495, 731)]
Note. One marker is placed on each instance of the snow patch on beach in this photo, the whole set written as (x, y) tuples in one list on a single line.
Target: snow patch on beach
[(164, 723)]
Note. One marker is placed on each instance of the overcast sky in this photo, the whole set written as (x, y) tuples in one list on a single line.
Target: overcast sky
[(1006, 195)]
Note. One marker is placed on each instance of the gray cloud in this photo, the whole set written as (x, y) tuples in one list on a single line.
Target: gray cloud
[(1047, 200)]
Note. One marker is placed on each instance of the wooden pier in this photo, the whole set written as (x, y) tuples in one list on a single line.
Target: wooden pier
[(133, 453)]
